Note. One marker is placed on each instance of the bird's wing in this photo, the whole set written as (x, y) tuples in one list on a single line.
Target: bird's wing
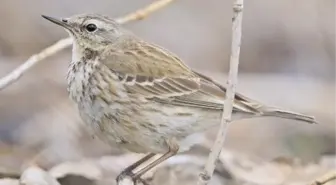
[(155, 73), (241, 102)]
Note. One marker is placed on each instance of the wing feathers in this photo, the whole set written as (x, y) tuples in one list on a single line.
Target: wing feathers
[(149, 71)]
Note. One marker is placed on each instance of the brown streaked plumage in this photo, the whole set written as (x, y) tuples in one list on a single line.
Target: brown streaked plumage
[(142, 97)]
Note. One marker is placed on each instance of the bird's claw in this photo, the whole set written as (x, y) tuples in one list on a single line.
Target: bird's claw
[(136, 180)]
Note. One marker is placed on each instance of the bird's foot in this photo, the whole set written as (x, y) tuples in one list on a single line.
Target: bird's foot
[(128, 174)]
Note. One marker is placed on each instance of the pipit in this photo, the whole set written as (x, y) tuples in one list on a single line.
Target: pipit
[(142, 97)]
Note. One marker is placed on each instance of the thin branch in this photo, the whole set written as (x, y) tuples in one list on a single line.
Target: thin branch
[(64, 43), (33, 60), (206, 175), (331, 176), (143, 13)]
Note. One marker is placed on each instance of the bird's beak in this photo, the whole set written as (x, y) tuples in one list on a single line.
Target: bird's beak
[(62, 22)]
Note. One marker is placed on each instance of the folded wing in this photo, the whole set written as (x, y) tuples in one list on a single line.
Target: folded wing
[(154, 73)]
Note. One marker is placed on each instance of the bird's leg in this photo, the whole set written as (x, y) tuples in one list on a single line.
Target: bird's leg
[(128, 171), (173, 149)]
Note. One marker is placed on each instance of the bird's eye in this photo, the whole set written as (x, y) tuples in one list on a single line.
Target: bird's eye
[(91, 27)]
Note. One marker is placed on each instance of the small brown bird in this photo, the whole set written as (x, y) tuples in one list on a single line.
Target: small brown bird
[(142, 97)]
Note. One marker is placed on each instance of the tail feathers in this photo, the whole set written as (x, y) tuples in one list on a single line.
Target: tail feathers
[(288, 115)]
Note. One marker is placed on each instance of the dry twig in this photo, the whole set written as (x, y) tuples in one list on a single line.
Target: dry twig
[(331, 176), (206, 175), (143, 13), (64, 43), (33, 60)]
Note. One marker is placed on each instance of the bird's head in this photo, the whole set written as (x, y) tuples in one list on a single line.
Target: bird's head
[(90, 30)]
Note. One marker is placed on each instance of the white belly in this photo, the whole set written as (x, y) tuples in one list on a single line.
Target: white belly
[(149, 130)]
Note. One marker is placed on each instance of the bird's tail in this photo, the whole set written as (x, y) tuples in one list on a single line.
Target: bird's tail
[(270, 111)]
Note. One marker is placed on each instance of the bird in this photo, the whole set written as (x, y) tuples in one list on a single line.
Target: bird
[(141, 97)]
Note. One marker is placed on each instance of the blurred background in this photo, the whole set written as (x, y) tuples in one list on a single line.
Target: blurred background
[(287, 60)]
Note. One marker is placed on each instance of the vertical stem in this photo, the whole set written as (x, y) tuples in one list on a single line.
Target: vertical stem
[(207, 173)]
